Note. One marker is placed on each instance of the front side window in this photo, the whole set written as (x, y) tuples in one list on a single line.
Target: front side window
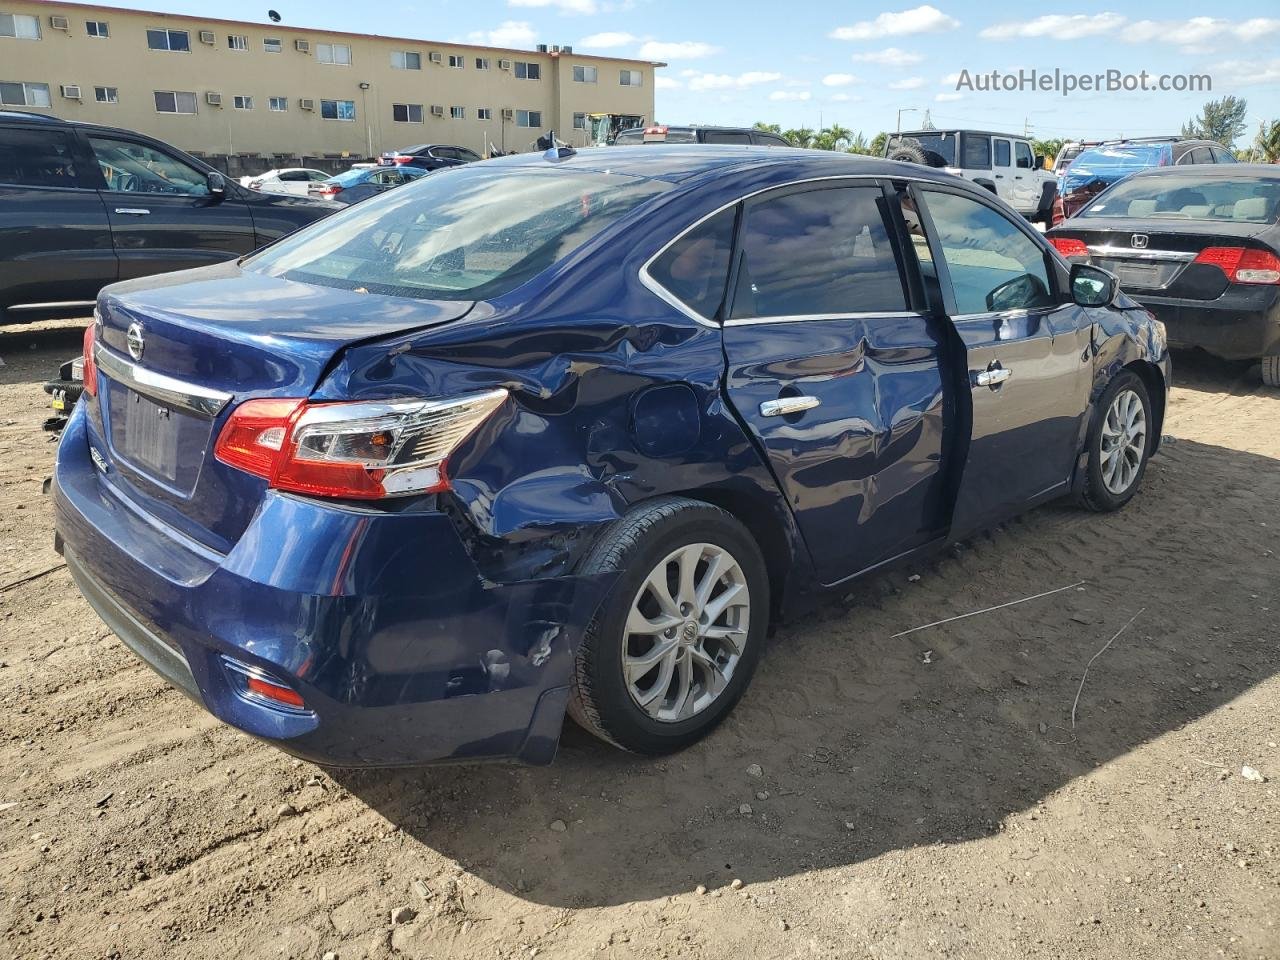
[(994, 266), (175, 101), (528, 118), (243, 103), (235, 42), (528, 71), (37, 158), (1022, 156), (176, 41), (818, 253), (97, 28), (585, 74), (338, 109), (406, 112), (272, 44), (464, 234), (336, 53), (631, 78), (20, 26), (106, 95), (405, 60), (278, 104), (695, 268), (131, 167), (20, 94)]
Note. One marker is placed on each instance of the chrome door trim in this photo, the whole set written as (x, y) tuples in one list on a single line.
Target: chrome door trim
[(53, 305), (801, 317), (191, 397), (1130, 253)]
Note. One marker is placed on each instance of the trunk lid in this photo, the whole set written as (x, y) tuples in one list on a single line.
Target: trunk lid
[(203, 342)]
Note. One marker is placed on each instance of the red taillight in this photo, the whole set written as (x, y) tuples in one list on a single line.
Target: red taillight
[(1059, 212), (356, 450), (329, 191), (90, 367), (274, 691), (1243, 264), (404, 158), (1070, 246)]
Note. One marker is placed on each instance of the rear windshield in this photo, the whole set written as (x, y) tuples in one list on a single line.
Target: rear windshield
[(938, 147), (350, 177), (470, 233), (1124, 158), (1239, 200)]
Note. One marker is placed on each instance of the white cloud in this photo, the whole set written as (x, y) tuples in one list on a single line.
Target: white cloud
[(1056, 26), (676, 50), (844, 98), (889, 57), (789, 96), (1242, 73), (839, 80), (608, 40), (509, 33), (951, 79), (1193, 33), (910, 83), (666, 83), (925, 19), (564, 6), (948, 97), (725, 81)]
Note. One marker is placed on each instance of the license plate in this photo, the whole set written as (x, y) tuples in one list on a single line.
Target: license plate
[(385, 162), (150, 436), (1139, 275)]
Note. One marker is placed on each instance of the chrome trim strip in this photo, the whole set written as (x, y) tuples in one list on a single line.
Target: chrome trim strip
[(1131, 253), (190, 397), (54, 305), (801, 317)]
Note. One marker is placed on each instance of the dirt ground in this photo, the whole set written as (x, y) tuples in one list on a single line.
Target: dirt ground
[(920, 797)]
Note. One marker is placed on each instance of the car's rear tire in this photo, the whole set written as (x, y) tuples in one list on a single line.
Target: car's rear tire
[(1119, 443), (1271, 371), (657, 670)]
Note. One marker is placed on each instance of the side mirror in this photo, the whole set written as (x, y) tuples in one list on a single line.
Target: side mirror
[(217, 184), (1039, 162), (1092, 286)]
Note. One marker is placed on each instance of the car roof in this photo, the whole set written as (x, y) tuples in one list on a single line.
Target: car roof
[(679, 163), (1217, 171), (981, 133)]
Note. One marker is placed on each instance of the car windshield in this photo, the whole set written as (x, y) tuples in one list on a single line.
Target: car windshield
[(1123, 157), (941, 145), (470, 233), (350, 178), (1236, 200)]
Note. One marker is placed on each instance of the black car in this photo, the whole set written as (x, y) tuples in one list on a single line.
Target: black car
[(744, 136), (83, 205), (1098, 167), (429, 156), (1198, 246)]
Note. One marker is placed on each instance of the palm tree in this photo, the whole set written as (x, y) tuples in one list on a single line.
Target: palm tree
[(859, 144), (1268, 143), (801, 137)]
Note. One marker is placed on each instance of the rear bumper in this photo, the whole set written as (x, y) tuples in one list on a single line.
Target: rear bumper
[(402, 652), (1242, 324)]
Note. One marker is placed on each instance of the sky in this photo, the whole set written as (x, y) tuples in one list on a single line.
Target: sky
[(857, 64)]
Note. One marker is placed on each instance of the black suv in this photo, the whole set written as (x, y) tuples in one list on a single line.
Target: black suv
[(662, 134), (82, 206), (429, 156)]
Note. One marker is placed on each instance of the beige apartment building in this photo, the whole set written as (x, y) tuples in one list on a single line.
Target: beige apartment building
[(272, 90)]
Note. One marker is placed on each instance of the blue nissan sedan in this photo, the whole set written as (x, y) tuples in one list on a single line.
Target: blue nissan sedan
[(545, 435)]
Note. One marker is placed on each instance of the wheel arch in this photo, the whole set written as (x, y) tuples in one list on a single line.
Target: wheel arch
[(1153, 379)]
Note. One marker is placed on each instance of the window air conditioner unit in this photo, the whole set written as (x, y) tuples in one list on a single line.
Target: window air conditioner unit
[(213, 99), (206, 36), (71, 91), (437, 111), (302, 46), (59, 23), (306, 103), (508, 113), (436, 58), (504, 64)]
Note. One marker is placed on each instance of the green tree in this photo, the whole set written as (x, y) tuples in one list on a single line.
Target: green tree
[(834, 137), (1220, 120), (1047, 148), (858, 144), (1267, 143), (767, 127), (878, 143), (801, 137)]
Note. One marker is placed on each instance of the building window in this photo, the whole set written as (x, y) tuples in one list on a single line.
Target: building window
[(482, 63), (484, 113), (278, 104), (97, 28), (585, 74), (24, 95), (235, 42), (528, 71), (528, 118), (457, 113), (339, 53), (19, 26), (406, 112), (338, 109), (403, 60), (457, 61), (272, 44), (106, 94), (243, 103), (177, 41), (631, 78), (579, 121), (175, 101)]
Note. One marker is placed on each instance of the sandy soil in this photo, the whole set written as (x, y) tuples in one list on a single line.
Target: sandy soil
[(904, 809)]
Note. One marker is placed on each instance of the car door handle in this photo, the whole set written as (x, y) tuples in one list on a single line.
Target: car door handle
[(133, 211), (993, 376), (785, 406)]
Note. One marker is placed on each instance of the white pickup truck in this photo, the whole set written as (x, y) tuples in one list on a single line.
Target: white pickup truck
[(1004, 163)]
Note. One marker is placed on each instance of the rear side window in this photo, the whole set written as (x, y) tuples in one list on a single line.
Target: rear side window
[(695, 268), (723, 137), (36, 158), (977, 153), (818, 253)]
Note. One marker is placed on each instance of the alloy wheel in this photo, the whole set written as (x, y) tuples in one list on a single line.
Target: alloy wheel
[(1124, 441)]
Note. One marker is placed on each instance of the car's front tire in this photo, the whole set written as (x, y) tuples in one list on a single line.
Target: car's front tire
[(677, 639), (1119, 443), (1271, 371)]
